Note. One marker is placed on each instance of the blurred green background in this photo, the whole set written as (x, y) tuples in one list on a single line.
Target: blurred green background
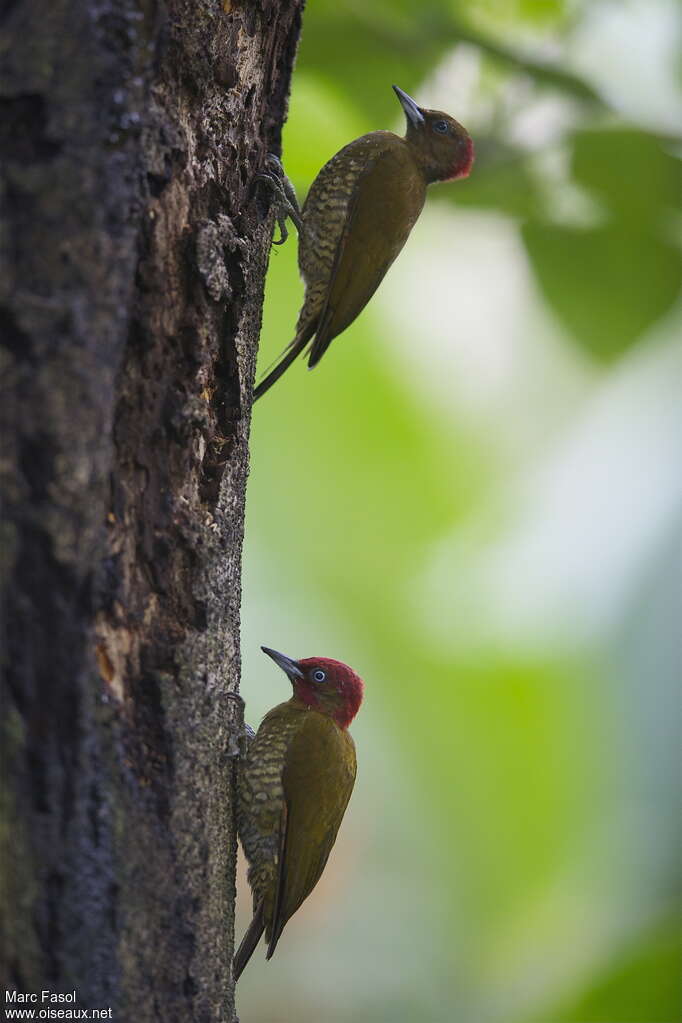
[(476, 501)]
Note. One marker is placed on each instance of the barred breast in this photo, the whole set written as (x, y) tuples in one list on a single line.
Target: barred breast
[(260, 797)]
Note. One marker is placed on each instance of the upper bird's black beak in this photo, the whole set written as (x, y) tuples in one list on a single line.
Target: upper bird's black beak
[(287, 664), (412, 111)]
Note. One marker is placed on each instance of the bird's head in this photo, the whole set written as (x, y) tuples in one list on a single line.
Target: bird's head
[(327, 686), (442, 147)]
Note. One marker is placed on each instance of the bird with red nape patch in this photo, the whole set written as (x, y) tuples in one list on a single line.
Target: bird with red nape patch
[(358, 214), (292, 792)]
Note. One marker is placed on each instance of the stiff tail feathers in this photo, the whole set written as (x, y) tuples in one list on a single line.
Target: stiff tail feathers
[(291, 352), (249, 942)]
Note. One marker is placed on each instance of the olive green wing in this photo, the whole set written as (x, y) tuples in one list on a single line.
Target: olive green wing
[(387, 200), (318, 780)]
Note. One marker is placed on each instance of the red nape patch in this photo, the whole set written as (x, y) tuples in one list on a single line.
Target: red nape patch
[(462, 168)]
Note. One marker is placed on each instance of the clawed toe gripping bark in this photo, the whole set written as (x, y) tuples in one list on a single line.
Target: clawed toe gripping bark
[(284, 197), (245, 732)]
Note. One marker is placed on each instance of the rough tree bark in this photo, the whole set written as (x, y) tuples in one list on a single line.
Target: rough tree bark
[(135, 242)]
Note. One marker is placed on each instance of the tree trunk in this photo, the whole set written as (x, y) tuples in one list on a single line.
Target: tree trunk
[(135, 242)]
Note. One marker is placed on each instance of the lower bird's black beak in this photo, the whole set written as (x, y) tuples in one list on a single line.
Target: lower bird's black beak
[(412, 111), (287, 664)]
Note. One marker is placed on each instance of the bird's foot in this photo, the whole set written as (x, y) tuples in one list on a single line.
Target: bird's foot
[(239, 743), (285, 201)]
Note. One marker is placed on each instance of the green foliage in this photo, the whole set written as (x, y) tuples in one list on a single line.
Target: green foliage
[(386, 471), (391, 40), (494, 765), (502, 747), (319, 110), (640, 985), (514, 11), (610, 282), (503, 181), (631, 172), (606, 284)]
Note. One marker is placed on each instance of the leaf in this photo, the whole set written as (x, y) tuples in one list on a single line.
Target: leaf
[(321, 121), (390, 40), (607, 284), (505, 184), (629, 171), (642, 986)]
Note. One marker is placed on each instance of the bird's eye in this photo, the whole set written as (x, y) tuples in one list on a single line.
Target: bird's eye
[(319, 675), (441, 127)]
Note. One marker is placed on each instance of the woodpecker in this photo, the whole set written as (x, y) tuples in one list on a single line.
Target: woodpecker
[(358, 214), (293, 789)]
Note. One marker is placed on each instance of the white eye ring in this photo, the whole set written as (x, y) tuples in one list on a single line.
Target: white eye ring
[(319, 675)]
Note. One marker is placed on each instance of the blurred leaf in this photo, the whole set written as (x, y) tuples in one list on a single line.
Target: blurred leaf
[(643, 986), (509, 760), (514, 12), (397, 41), (607, 284), (504, 182), (501, 771), (385, 471), (543, 73), (321, 121), (629, 171), (402, 42), (541, 10)]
